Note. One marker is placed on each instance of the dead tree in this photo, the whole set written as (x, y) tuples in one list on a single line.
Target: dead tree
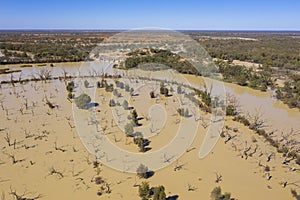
[(12, 80), (58, 148), (1, 103), (204, 123), (23, 196), (21, 109), (14, 160), (44, 74), (218, 177), (7, 138), (270, 156), (257, 120), (190, 187), (268, 176), (178, 166), (71, 126), (50, 104), (53, 171), (287, 157), (20, 77), (254, 151), (229, 137), (233, 101), (285, 183)]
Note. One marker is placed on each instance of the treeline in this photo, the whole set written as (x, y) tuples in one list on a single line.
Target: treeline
[(20, 47), (159, 56), (290, 92), (246, 76), (280, 51)]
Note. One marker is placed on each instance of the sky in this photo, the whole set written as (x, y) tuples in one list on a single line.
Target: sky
[(131, 14)]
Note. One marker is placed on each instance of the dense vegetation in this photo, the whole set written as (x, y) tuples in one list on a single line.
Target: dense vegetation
[(246, 76), (164, 57), (155, 193), (269, 49), (46, 46), (290, 92)]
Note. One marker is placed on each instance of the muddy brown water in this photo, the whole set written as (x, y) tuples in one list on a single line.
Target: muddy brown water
[(278, 116)]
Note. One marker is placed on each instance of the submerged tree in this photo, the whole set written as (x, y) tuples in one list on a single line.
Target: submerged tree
[(82, 100), (129, 129), (70, 86), (125, 104), (216, 194), (140, 141), (152, 95), (159, 193), (134, 117), (86, 83), (144, 190), (142, 171), (112, 103)]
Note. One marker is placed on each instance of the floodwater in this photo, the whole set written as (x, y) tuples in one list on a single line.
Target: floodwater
[(278, 117)]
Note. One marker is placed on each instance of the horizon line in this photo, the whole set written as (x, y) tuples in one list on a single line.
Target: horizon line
[(128, 29)]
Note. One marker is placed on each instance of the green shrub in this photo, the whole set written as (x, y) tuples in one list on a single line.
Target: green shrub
[(112, 103), (129, 129), (71, 95), (142, 171), (82, 100), (159, 193), (144, 190), (152, 95), (230, 110), (70, 86), (86, 83)]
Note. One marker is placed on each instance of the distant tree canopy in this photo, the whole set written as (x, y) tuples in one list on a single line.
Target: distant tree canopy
[(267, 49), (159, 56), (38, 47), (290, 92), (246, 76)]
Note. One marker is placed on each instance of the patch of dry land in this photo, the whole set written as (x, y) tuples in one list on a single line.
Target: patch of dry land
[(43, 157)]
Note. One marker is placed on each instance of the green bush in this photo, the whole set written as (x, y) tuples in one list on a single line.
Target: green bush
[(70, 86), (71, 95), (82, 100), (142, 171), (230, 110), (134, 117), (144, 190), (112, 103), (159, 193), (129, 129), (152, 95), (86, 83), (216, 194), (125, 105), (140, 142)]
